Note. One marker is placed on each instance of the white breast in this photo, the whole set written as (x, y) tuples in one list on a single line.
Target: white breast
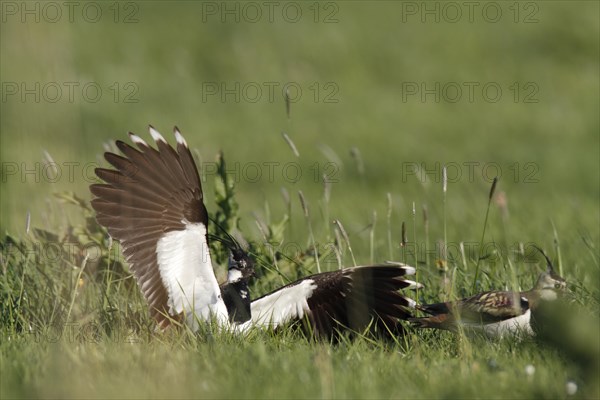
[(512, 326)]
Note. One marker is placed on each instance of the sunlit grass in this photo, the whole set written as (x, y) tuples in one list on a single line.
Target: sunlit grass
[(81, 313), (371, 162)]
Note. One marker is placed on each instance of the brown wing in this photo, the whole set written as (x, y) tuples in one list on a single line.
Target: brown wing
[(149, 193), (494, 306)]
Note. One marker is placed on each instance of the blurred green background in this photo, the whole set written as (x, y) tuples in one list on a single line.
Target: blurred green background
[(355, 64)]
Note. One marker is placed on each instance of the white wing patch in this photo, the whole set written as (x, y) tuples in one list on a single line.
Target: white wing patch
[(407, 268), (156, 135), (413, 284), (282, 305), (138, 140), (187, 273), (179, 138)]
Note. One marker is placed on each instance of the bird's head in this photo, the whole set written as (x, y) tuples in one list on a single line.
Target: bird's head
[(549, 284), (241, 266)]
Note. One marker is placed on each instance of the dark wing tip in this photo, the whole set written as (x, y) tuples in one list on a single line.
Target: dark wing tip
[(353, 297)]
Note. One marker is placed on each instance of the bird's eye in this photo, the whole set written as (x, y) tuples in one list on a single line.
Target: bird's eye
[(557, 285)]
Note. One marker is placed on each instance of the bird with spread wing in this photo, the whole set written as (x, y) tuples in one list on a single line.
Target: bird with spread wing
[(152, 202)]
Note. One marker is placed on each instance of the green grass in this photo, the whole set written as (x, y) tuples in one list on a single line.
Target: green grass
[(108, 347), (269, 367), (64, 315)]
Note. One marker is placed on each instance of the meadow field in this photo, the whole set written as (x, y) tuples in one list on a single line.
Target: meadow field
[(356, 107)]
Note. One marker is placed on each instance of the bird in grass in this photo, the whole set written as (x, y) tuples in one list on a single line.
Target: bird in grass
[(152, 202), (495, 313)]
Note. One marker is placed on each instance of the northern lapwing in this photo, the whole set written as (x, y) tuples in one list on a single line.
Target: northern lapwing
[(495, 313), (152, 202)]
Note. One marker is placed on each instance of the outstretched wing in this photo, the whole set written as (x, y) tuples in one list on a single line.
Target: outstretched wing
[(344, 299), (152, 203)]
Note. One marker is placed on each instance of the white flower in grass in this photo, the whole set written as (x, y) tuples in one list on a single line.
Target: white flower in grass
[(529, 370), (571, 388)]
